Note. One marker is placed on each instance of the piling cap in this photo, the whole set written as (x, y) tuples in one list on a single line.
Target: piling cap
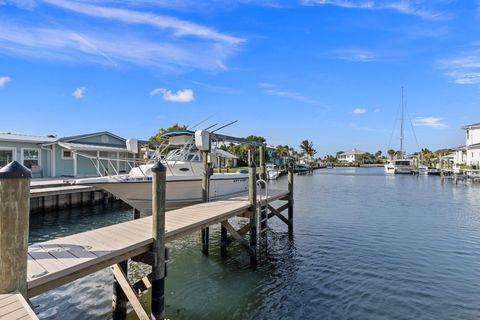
[(252, 165), (159, 167), (14, 170)]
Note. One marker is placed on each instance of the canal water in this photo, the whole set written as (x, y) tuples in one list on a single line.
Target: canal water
[(365, 246)]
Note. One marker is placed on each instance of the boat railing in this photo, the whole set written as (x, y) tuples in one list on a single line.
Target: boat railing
[(105, 165)]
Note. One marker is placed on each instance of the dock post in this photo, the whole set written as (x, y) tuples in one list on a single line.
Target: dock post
[(290, 198), (252, 198), (205, 197), (136, 214), (14, 220), (223, 241), (158, 247), (119, 299), (263, 167)]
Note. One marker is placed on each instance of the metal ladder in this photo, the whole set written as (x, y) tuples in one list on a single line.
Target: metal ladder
[(262, 210)]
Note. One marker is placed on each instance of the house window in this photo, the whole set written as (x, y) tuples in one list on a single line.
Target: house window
[(6, 156), (31, 157), (468, 134), (67, 155)]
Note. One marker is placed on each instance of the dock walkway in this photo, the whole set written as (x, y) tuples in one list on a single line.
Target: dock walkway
[(59, 261), (13, 306)]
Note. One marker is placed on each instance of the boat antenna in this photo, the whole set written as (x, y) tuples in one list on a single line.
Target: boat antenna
[(208, 118), (211, 126), (228, 124), (402, 151)]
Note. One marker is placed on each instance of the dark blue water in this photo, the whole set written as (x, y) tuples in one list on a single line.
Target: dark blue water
[(365, 246)]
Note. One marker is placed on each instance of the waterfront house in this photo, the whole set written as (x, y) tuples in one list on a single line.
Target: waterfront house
[(76, 156), (273, 157), (351, 156), (469, 154)]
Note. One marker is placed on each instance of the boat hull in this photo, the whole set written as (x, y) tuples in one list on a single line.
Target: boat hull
[(179, 192)]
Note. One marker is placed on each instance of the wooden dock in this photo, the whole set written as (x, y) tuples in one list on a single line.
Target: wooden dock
[(58, 197), (13, 306), (56, 262), (26, 271)]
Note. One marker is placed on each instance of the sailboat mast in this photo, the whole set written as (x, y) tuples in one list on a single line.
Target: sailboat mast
[(402, 151)]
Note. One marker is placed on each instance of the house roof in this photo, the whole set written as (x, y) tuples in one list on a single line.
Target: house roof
[(471, 126), (91, 147), (16, 137), (88, 135), (474, 146), (354, 151)]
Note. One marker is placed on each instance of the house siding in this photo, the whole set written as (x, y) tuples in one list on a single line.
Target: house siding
[(104, 138), (19, 146)]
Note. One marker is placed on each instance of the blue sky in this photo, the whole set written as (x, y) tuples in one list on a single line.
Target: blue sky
[(330, 71)]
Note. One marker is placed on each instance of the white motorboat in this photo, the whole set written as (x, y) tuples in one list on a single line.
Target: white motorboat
[(272, 171), (184, 177), (423, 170)]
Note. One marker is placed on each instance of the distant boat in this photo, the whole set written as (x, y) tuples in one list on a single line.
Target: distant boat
[(272, 171), (401, 165), (423, 170), (302, 169)]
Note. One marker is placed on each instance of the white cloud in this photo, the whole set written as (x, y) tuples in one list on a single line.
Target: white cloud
[(359, 111), (79, 92), (408, 7), (178, 26), (464, 68), (273, 90), (356, 55), (429, 122), (4, 81), (169, 43), (185, 95), (265, 85), (377, 110)]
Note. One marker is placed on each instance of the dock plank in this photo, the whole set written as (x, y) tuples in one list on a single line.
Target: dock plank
[(14, 306), (59, 261), (53, 191)]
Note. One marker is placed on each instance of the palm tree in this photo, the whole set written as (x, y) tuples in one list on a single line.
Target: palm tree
[(307, 147), (282, 151), (391, 153)]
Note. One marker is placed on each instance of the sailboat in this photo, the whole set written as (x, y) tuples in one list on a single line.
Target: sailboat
[(401, 165)]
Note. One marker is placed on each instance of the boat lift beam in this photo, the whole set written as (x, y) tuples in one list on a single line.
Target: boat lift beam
[(221, 137)]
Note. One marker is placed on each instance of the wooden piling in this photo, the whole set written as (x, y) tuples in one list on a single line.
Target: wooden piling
[(223, 241), (205, 233), (14, 220), (119, 299), (263, 166), (252, 197), (290, 198), (158, 247), (136, 213)]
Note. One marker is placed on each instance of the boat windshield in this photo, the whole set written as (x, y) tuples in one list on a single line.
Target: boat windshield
[(402, 162), (181, 155)]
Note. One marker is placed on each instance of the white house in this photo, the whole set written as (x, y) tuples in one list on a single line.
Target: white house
[(350, 156), (470, 153)]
